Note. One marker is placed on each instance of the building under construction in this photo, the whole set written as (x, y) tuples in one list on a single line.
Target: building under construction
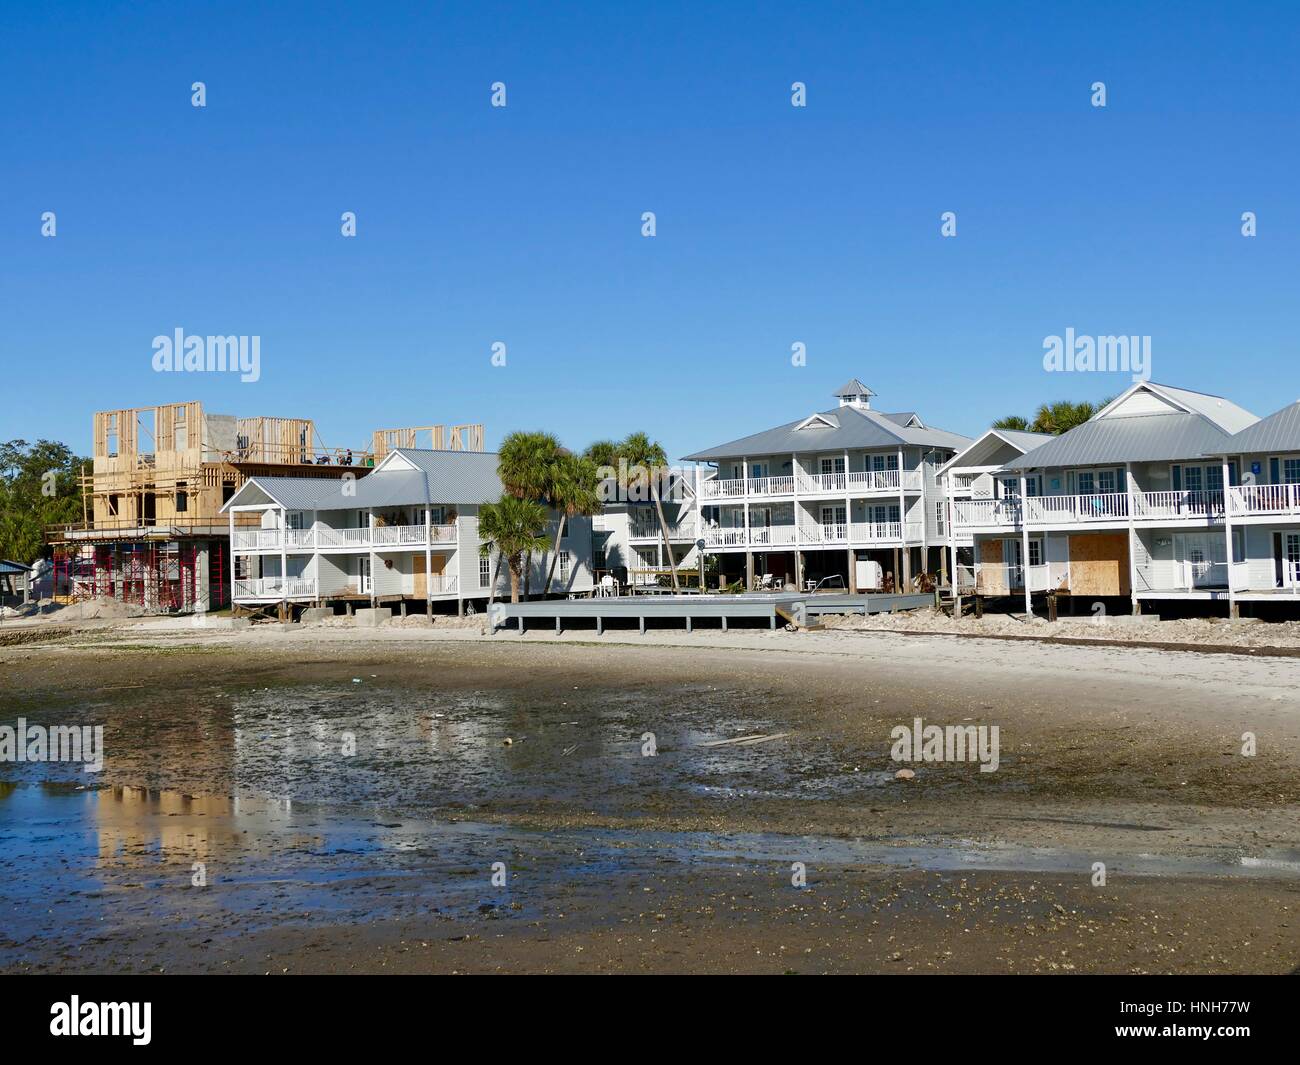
[(151, 534)]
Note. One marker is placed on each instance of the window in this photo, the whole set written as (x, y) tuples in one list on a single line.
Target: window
[(182, 497), (884, 462), (939, 519), (1291, 471), (1192, 478), (1035, 552), (484, 571), (1214, 478), (294, 518), (1085, 481), (1106, 481), (832, 465), (758, 469), (564, 566)]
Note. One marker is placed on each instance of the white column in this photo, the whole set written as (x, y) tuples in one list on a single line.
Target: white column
[(284, 555), (906, 579), (1227, 536), (794, 472), (1129, 488), (428, 563), (950, 502), (744, 483), (374, 576), (1024, 545)]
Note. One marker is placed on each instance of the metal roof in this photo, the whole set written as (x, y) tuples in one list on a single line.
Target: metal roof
[(851, 428), (1280, 431), (438, 477), (7, 566), (853, 387), (1020, 439), (1132, 438)]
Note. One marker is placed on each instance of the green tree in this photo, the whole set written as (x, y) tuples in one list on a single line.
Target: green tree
[(646, 461), (575, 489), (513, 527), (1062, 416), (40, 485), (1011, 421), (528, 467)]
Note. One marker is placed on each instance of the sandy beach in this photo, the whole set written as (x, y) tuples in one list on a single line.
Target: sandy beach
[(229, 749)]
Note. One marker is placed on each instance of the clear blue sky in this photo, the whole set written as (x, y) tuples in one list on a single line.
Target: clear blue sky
[(522, 224)]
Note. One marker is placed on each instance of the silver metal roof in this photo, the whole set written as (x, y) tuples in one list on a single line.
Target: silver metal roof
[(1132, 438), (439, 477), (1020, 439), (853, 387), (1280, 431), (851, 428)]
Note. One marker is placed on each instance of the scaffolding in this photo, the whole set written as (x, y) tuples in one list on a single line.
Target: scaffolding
[(158, 577)]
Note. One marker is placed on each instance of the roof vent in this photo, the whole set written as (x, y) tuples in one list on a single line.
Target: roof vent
[(854, 394)]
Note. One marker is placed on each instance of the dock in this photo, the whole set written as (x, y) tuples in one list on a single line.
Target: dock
[(775, 608)]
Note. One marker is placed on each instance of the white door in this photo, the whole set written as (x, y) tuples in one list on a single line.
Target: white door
[(1011, 551), (1291, 560), (364, 585), (833, 522), (1205, 557)]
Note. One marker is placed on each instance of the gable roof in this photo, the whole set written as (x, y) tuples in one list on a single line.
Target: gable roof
[(405, 477), (853, 428), (1020, 439), (1189, 425), (1280, 431)]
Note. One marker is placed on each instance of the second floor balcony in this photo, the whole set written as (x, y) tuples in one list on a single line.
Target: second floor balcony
[(853, 482), (321, 537)]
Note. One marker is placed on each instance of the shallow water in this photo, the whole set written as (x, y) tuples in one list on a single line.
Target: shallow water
[(80, 866), (359, 800)]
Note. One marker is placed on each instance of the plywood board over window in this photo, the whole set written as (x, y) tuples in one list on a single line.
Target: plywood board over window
[(1099, 564), (992, 574)]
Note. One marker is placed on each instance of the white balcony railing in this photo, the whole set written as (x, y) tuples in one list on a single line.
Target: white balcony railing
[(856, 482), (1264, 499), (814, 534), (275, 588), (1178, 505), (718, 487), (323, 537), (1043, 510)]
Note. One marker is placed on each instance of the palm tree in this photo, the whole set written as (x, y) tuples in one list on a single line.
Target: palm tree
[(575, 489), (648, 458), (513, 527), (1062, 416), (1011, 421), (527, 468), (524, 463)]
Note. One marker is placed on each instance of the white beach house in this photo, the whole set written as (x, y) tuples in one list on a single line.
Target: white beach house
[(1263, 511), (846, 496), (404, 533), (1129, 505)]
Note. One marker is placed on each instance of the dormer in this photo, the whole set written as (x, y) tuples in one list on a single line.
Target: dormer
[(854, 394)]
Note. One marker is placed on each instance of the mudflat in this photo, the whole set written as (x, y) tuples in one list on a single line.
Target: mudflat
[(424, 800)]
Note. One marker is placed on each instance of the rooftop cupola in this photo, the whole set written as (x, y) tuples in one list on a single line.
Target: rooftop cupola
[(854, 394)]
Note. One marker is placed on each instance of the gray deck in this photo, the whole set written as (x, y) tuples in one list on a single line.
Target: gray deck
[(774, 608)]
